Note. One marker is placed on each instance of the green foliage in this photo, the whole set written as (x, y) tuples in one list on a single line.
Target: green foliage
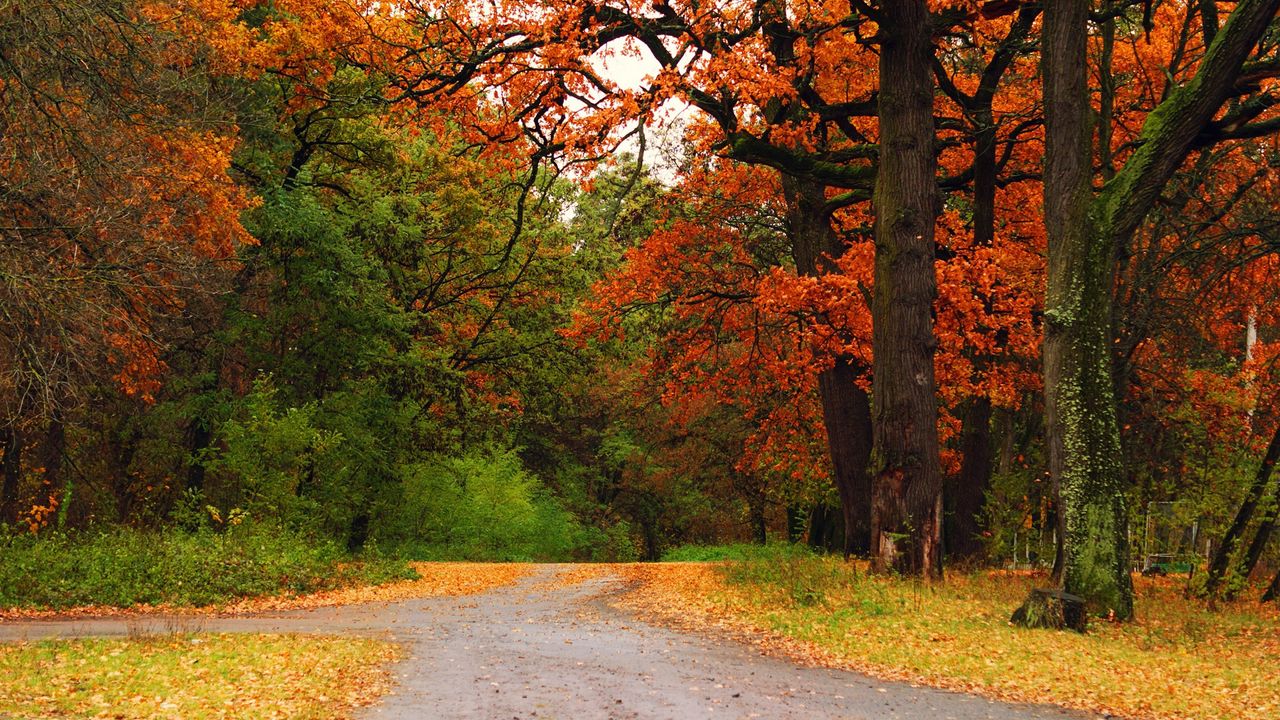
[(792, 571), (273, 452), (121, 567), (484, 505), (736, 552)]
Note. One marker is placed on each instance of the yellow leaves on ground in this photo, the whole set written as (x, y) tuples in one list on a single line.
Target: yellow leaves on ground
[(194, 677), (1176, 661), (435, 579)]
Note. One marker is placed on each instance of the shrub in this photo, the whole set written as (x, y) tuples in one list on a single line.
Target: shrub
[(481, 506), (122, 567)]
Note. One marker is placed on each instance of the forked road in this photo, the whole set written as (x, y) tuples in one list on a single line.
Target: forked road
[(539, 649)]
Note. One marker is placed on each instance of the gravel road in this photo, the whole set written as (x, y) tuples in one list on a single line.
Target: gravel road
[(539, 649)]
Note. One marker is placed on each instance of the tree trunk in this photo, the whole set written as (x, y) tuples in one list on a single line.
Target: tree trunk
[(846, 409), (1273, 590), (649, 532), (1230, 542), (826, 529), (1081, 428), (198, 439), (1261, 537), (968, 489), (795, 524), (1083, 234), (12, 472), (358, 532), (121, 458), (906, 510), (759, 525), (965, 494), (53, 449)]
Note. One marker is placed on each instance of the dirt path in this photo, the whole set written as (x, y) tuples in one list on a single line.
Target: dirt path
[(540, 649)]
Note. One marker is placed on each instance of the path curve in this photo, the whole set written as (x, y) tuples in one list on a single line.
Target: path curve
[(543, 650)]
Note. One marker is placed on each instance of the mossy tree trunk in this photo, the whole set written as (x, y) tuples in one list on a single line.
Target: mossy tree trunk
[(1083, 231), (1079, 404), (906, 510)]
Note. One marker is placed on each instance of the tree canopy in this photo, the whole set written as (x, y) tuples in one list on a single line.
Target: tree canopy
[(934, 282)]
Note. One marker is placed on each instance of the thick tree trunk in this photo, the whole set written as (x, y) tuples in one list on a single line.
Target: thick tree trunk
[(1081, 428), (1083, 234), (11, 439), (966, 492), (906, 510), (1230, 542), (846, 409)]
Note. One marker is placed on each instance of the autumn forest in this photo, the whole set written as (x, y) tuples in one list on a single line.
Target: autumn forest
[(930, 285)]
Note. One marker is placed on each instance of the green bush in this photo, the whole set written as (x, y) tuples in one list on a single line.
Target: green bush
[(122, 567), (737, 552), (793, 571), (482, 506)]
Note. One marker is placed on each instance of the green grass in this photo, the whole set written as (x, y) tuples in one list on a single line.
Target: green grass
[(737, 552), (192, 677), (122, 567)]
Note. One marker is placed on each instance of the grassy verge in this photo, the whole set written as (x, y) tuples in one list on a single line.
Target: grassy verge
[(739, 552), (1177, 660), (193, 677), (122, 567)]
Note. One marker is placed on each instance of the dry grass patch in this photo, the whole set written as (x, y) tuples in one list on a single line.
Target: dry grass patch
[(195, 677), (1177, 661)]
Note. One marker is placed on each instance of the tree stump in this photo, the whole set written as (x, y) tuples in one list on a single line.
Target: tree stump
[(1052, 608)]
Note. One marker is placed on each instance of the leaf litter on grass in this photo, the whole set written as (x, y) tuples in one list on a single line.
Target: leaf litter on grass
[(1177, 661), (195, 677)]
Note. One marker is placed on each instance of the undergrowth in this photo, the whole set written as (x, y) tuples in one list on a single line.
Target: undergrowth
[(121, 567)]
